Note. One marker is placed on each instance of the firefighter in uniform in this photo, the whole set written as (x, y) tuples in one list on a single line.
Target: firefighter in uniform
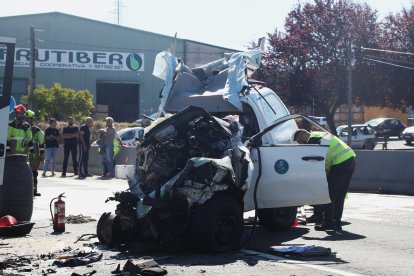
[(19, 133), (36, 146), (339, 167)]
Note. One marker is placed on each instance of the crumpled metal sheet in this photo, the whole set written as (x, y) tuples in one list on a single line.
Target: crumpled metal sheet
[(198, 193), (223, 165)]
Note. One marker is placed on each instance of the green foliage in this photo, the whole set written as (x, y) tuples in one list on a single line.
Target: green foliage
[(59, 102)]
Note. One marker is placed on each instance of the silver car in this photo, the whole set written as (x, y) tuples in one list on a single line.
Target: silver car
[(363, 136), (408, 134)]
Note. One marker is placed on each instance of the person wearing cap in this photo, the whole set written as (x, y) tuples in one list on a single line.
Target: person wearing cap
[(111, 140), (36, 148), (52, 136), (19, 133), (339, 167), (70, 135)]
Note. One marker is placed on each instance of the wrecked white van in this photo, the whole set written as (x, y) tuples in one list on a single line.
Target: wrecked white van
[(222, 146)]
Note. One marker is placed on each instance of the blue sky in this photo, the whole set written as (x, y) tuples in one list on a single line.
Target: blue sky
[(227, 23)]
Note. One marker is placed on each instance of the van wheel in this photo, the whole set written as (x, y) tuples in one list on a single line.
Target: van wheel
[(108, 229), (277, 218), (217, 224)]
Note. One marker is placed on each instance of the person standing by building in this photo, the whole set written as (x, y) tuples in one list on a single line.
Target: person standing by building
[(70, 135), (84, 147), (52, 136), (339, 166), (111, 141), (19, 133), (36, 148), (102, 151)]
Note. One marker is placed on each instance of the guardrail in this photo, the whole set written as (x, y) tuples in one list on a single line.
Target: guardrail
[(384, 171)]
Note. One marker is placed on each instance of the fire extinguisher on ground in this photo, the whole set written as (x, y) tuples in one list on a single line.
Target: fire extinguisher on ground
[(58, 216)]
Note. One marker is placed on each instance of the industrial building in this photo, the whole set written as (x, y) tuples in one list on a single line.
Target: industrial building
[(113, 62)]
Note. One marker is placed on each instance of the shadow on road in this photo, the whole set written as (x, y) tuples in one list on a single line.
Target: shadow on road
[(186, 257), (272, 238), (337, 236), (262, 241)]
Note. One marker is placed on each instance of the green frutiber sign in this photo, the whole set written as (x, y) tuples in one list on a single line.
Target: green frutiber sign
[(78, 59)]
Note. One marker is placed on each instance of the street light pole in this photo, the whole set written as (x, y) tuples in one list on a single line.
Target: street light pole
[(350, 111), (32, 68)]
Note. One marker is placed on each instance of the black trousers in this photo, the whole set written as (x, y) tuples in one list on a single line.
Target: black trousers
[(83, 161), (70, 149), (35, 174), (339, 178)]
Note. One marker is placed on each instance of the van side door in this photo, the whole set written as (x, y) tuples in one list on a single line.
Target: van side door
[(286, 173)]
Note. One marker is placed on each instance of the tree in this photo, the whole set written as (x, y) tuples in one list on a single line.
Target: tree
[(308, 62), (58, 102), (392, 69)]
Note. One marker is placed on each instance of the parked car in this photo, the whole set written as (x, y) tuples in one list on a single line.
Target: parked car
[(320, 120), (387, 127), (363, 136), (128, 135), (408, 134)]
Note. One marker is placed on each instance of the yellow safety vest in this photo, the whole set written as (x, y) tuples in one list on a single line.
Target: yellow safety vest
[(337, 152), (18, 137)]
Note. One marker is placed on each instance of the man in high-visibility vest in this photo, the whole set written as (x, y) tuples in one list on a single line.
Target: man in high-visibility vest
[(36, 148), (19, 133), (339, 167)]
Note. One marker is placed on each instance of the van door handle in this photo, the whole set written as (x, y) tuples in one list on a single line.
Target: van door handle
[(316, 158)]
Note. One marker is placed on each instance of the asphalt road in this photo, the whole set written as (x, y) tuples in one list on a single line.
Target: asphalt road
[(377, 238)]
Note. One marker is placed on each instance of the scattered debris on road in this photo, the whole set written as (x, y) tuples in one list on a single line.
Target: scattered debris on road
[(72, 219), (80, 259), (145, 266), (15, 263), (302, 251)]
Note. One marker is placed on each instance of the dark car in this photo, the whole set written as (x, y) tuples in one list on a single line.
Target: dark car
[(387, 127)]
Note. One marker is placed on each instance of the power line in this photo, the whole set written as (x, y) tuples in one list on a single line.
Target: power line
[(392, 64), (386, 59), (387, 51)]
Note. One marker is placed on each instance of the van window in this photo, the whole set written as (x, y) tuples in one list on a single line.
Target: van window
[(281, 134)]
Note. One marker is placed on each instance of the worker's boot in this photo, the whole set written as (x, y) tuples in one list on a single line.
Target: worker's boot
[(326, 226)]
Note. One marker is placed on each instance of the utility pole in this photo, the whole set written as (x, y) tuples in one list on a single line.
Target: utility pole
[(118, 11), (350, 111), (32, 68)]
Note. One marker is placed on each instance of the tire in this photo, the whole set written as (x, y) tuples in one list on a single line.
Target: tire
[(217, 225), (408, 142), (108, 229), (368, 146), (275, 219)]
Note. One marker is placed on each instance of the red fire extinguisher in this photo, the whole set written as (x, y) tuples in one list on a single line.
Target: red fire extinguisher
[(58, 217)]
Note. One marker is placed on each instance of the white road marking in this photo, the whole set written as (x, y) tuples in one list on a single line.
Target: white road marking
[(299, 263)]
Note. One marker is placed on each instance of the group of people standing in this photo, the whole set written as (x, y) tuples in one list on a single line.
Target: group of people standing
[(73, 138), (25, 137)]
